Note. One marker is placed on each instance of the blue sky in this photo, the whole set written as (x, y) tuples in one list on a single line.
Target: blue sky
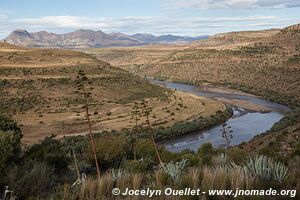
[(179, 17)]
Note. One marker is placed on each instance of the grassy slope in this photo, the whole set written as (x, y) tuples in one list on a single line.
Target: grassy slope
[(269, 68), (39, 90), (272, 64)]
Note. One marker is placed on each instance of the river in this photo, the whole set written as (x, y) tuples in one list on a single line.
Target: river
[(244, 124)]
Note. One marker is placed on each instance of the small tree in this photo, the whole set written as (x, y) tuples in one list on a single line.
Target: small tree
[(82, 87), (146, 112)]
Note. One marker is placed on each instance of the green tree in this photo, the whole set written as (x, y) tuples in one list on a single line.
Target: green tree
[(10, 142)]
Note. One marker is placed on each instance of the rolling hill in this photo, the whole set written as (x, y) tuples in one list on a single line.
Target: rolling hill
[(270, 63), (235, 38), (38, 89), (268, 66)]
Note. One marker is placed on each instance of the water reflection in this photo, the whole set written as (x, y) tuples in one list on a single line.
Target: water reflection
[(241, 127)]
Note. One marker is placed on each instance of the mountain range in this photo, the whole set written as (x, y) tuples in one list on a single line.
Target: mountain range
[(89, 38)]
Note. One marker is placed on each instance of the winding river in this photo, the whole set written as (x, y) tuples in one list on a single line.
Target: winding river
[(244, 124)]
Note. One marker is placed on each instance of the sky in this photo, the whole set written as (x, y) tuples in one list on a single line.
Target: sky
[(178, 17)]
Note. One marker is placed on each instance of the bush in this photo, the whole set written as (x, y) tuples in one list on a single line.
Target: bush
[(110, 151), (297, 149), (9, 148), (7, 124), (108, 113), (50, 151), (10, 143), (192, 158), (32, 180), (145, 149), (206, 152), (137, 165), (237, 155)]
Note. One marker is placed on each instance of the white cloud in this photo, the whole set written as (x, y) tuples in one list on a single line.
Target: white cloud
[(58, 22), (145, 24), (231, 4)]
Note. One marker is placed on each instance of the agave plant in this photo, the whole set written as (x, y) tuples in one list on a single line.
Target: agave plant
[(260, 166), (279, 172), (266, 168), (229, 166), (221, 159), (174, 170), (117, 174)]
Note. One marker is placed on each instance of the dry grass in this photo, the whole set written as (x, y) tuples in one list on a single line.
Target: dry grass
[(222, 178), (14, 56), (264, 65), (203, 179), (42, 96)]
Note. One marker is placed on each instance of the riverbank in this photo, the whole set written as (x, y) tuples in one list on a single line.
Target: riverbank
[(252, 116), (232, 88)]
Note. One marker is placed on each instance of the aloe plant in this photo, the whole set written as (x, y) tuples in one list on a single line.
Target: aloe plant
[(174, 170)]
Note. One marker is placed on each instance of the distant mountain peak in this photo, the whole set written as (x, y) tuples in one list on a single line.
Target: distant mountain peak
[(21, 32), (89, 38)]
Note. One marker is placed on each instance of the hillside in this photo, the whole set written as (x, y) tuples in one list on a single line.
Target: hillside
[(235, 38), (288, 37), (38, 88), (88, 38), (271, 65), (269, 68)]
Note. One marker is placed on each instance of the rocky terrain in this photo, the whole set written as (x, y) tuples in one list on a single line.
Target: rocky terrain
[(89, 38)]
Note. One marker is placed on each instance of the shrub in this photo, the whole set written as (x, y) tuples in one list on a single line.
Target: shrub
[(7, 124), (145, 149), (10, 143), (206, 152), (297, 149), (237, 155), (111, 150), (32, 180), (141, 165), (96, 113), (50, 151)]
